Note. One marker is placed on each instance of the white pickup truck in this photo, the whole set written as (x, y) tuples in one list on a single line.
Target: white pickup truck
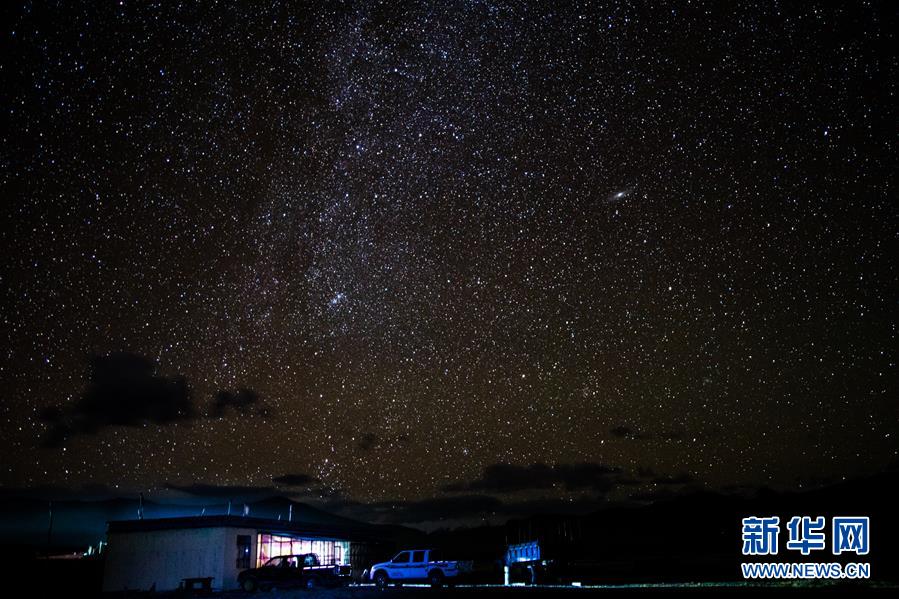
[(417, 565)]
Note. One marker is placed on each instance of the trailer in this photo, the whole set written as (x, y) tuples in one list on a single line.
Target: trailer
[(536, 563)]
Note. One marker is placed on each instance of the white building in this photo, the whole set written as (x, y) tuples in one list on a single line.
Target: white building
[(160, 553)]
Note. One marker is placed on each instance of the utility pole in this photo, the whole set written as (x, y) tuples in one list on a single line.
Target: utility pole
[(49, 526)]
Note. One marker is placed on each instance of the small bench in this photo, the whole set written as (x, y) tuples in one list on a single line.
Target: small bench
[(200, 583)]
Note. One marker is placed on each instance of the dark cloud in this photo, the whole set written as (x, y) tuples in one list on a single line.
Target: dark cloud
[(658, 487), (595, 482), (441, 508), (648, 475), (622, 431), (461, 510), (553, 505), (813, 481), (679, 479), (124, 390), (509, 478), (245, 402), (654, 495), (367, 442), (58, 492), (464, 507), (296, 486), (295, 480), (627, 480), (740, 490), (223, 491), (625, 432)]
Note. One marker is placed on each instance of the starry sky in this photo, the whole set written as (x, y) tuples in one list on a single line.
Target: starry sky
[(411, 252)]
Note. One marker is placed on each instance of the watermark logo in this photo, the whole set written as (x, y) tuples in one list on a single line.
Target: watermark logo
[(850, 535), (760, 535), (805, 535)]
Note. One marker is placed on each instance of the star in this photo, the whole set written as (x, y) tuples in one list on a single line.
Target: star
[(369, 223), (337, 299)]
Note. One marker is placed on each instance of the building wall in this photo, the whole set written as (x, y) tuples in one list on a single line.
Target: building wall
[(139, 560), (229, 566)]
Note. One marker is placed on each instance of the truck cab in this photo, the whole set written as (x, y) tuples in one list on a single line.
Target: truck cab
[(293, 570), (416, 566)]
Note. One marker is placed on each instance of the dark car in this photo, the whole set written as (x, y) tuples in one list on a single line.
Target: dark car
[(293, 570)]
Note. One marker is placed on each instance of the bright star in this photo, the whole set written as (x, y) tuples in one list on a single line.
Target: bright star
[(338, 299)]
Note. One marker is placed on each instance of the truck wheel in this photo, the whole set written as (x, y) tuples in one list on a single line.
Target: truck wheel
[(381, 579), (436, 579), (312, 582), (249, 585)]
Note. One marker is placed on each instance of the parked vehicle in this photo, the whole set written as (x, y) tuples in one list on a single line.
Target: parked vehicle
[(293, 570), (418, 566), (530, 563), (525, 563)]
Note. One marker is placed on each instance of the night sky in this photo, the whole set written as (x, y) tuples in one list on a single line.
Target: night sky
[(380, 252)]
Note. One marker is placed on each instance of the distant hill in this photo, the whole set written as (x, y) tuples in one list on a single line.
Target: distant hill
[(694, 536), (691, 537)]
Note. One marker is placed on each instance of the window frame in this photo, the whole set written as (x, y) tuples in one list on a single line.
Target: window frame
[(244, 552)]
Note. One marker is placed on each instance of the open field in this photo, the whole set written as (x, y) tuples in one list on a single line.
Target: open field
[(528, 592)]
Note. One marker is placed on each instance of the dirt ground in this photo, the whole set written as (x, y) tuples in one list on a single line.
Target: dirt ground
[(366, 592)]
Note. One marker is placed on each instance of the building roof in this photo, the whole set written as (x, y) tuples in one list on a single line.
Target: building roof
[(357, 531)]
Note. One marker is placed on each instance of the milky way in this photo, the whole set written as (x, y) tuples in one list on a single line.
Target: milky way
[(388, 246)]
